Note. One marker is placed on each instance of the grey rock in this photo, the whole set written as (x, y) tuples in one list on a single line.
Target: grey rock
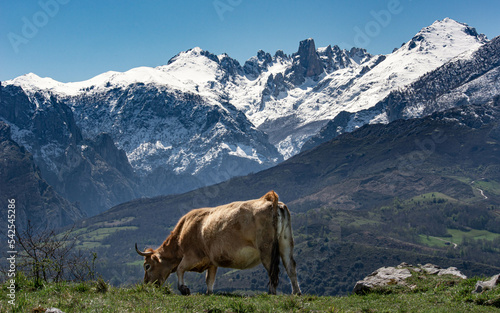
[(431, 269), (53, 310), (306, 63), (404, 265), (436, 270), (309, 59), (397, 276), (452, 271), (487, 285), (382, 277)]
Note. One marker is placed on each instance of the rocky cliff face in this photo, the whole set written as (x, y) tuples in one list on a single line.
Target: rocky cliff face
[(35, 199), (175, 133), (93, 174), (305, 63)]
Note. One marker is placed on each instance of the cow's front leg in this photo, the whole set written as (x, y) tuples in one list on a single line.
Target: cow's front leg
[(180, 284), (180, 281), (184, 290)]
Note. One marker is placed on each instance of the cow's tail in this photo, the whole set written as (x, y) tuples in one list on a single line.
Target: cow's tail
[(275, 264), (275, 250)]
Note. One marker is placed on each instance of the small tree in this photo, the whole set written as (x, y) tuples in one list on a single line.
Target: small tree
[(48, 256)]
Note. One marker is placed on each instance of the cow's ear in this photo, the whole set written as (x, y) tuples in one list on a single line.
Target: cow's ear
[(156, 258)]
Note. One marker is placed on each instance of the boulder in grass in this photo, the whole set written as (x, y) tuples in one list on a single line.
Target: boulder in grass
[(452, 271), (436, 270), (487, 285), (397, 276), (382, 277), (53, 310)]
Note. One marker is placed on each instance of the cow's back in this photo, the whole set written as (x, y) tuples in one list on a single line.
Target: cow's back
[(231, 235)]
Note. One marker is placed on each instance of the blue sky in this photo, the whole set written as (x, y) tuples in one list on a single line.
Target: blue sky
[(74, 40)]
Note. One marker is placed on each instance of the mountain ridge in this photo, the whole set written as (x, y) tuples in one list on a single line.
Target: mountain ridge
[(204, 118), (471, 78)]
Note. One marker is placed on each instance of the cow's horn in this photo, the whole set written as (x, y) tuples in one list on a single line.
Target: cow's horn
[(142, 253)]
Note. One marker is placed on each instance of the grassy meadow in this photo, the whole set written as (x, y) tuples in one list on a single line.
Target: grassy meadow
[(423, 293)]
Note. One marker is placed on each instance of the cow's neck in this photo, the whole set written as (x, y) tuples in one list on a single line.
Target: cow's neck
[(170, 248)]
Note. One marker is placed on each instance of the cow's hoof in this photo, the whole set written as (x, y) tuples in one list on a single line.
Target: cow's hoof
[(184, 290)]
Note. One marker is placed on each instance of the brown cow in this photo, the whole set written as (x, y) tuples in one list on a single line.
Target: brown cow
[(237, 235)]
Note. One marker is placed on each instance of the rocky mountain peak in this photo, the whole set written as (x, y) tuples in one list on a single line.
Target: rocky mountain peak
[(279, 54), (333, 58), (359, 55), (308, 58), (306, 63), (193, 53), (257, 64), (231, 66), (264, 56), (444, 33)]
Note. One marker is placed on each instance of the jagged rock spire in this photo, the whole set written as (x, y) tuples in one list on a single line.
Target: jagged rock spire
[(306, 63)]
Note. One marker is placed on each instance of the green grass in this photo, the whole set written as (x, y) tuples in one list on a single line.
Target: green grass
[(356, 220), (93, 239), (456, 236), (426, 294), (115, 223), (101, 233), (489, 186), (435, 241), (430, 197)]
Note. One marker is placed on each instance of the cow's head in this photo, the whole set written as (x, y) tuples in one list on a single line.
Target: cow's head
[(156, 268)]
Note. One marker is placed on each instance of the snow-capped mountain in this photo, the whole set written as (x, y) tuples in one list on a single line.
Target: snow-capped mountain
[(175, 140), (203, 118), (293, 117), (470, 78), (90, 172)]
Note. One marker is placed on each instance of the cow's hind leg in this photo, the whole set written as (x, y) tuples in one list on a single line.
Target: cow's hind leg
[(286, 252), (210, 279)]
